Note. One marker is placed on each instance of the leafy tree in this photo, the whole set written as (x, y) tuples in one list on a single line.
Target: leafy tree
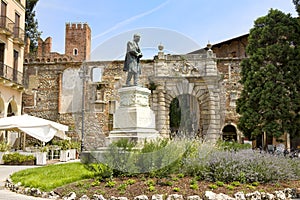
[(175, 114), (297, 5), (270, 99), (31, 24)]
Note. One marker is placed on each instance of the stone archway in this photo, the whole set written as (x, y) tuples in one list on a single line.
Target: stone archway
[(200, 95), (229, 133), (195, 76)]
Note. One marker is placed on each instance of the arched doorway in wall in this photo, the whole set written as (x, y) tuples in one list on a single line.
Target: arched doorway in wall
[(184, 115), (229, 133), (12, 108)]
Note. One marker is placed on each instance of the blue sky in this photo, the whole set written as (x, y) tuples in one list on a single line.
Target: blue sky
[(181, 26)]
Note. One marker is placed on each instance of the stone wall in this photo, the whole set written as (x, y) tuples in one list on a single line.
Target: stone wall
[(43, 89), (45, 96), (45, 93), (229, 54)]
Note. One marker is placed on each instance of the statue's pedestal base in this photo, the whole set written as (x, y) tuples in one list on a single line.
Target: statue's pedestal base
[(133, 120)]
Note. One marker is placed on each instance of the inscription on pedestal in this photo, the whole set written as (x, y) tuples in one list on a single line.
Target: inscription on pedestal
[(134, 119)]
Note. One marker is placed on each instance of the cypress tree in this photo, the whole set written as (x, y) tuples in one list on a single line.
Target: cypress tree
[(270, 99)]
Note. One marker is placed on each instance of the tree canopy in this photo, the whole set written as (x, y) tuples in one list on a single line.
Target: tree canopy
[(297, 5), (31, 24), (270, 98)]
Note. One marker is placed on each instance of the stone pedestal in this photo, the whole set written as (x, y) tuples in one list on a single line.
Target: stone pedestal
[(133, 119)]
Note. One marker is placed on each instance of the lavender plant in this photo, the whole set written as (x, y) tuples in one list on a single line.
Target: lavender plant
[(243, 166)]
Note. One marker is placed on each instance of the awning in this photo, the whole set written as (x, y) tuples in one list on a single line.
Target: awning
[(39, 128)]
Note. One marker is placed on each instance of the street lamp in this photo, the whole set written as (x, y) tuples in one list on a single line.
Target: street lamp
[(83, 75)]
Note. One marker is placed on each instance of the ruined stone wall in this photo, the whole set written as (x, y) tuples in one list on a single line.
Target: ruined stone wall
[(43, 89), (43, 95), (44, 47)]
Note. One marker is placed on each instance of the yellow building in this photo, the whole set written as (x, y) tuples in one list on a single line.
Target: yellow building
[(12, 26)]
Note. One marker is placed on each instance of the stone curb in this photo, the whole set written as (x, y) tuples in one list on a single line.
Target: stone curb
[(286, 194)]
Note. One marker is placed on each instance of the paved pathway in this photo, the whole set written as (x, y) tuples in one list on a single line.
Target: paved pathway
[(6, 194)]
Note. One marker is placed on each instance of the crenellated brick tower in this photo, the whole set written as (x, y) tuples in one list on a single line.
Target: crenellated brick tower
[(78, 41)]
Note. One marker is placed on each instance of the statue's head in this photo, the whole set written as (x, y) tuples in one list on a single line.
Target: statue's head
[(136, 37)]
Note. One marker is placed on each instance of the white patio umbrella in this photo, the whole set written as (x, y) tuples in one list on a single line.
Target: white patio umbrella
[(39, 128)]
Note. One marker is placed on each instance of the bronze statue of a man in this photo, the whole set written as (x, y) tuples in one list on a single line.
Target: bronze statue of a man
[(132, 60)]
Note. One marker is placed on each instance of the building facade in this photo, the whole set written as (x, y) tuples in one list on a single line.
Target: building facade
[(11, 56), (12, 22)]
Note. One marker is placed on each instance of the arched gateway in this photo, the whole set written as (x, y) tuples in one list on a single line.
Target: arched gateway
[(194, 77)]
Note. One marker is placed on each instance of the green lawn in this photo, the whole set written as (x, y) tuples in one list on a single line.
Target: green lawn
[(52, 176)]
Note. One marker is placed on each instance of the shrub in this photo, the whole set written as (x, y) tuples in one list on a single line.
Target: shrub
[(230, 187), (151, 188), (255, 183), (130, 182), (64, 144), (169, 183), (235, 183), (159, 158), (150, 182), (194, 186), (244, 166), (124, 144), (220, 183), (95, 183), (213, 186), (251, 187), (193, 181), (156, 158), (100, 170), (224, 162), (121, 158), (17, 159), (122, 187), (232, 146), (110, 184), (44, 149), (176, 189), (4, 146), (181, 175), (75, 145)]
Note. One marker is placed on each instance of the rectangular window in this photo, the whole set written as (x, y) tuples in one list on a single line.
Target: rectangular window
[(3, 14), (15, 67), (2, 49), (17, 26)]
